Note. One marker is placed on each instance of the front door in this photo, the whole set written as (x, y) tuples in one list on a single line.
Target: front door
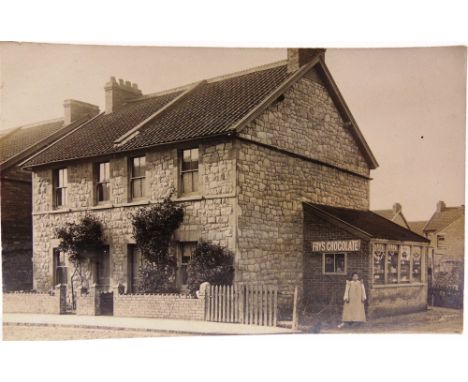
[(183, 258), (102, 270)]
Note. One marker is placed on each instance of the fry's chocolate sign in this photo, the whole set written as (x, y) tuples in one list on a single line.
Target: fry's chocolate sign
[(336, 245)]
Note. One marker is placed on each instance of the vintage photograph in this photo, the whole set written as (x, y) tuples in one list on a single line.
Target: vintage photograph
[(157, 191)]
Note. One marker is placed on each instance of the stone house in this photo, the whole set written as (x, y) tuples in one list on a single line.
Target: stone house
[(16, 188), (249, 155), (395, 214), (446, 231)]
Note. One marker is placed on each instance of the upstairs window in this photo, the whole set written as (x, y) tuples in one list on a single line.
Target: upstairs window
[(60, 187), (137, 177), (102, 176), (189, 171), (440, 241)]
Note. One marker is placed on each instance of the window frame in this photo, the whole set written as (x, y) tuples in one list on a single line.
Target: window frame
[(133, 178), (97, 182), (57, 186), (182, 172), (440, 241), (345, 254)]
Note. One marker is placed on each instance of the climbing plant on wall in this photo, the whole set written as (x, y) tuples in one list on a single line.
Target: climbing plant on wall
[(153, 229)]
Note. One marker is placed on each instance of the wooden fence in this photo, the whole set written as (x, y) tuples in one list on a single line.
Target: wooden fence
[(253, 304)]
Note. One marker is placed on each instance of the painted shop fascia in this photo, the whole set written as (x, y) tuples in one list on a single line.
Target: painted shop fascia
[(245, 186)]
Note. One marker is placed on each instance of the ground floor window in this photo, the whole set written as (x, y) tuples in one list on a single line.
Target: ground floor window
[(184, 255), (395, 263), (334, 263)]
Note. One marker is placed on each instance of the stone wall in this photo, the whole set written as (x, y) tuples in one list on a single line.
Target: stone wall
[(272, 184), (400, 299), (16, 225), (307, 122), (208, 215), (323, 289), (170, 306), (36, 303)]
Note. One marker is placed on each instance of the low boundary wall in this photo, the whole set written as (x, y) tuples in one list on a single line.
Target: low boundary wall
[(36, 303)]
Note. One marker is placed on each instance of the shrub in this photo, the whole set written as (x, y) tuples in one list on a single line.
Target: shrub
[(211, 263), (153, 228)]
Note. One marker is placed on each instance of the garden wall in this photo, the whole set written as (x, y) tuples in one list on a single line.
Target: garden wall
[(38, 303), (170, 306)]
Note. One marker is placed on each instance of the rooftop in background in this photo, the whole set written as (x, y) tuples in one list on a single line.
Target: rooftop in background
[(365, 222), (443, 217), (418, 227), (19, 139)]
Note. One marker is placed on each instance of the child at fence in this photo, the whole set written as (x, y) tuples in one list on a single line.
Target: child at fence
[(354, 298)]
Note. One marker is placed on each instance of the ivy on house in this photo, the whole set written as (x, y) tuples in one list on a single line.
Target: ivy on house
[(153, 229)]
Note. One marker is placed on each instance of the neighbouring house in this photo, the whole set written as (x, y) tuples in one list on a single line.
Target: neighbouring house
[(267, 162), (16, 190), (418, 227), (446, 231), (395, 215)]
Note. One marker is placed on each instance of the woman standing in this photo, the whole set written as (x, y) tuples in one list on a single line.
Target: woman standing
[(354, 298)]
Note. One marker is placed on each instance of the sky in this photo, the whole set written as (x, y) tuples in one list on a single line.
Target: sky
[(409, 103)]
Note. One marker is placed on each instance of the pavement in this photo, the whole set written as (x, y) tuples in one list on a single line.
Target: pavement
[(139, 324)]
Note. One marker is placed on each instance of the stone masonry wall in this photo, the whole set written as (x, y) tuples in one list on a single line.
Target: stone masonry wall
[(209, 215), (175, 307), (308, 123), (272, 184)]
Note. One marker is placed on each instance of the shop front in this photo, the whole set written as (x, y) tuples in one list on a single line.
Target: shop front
[(390, 260)]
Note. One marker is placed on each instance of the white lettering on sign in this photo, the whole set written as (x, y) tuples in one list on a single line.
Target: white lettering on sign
[(337, 245)]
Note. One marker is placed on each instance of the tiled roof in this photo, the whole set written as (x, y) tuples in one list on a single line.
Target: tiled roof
[(373, 225), (443, 218), (23, 137), (418, 227), (210, 109)]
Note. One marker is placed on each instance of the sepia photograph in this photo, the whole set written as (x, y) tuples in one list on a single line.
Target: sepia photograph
[(154, 191)]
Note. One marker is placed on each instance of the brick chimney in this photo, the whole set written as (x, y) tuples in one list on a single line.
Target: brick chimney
[(441, 206), (396, 208), (117, 93), (74, 110), (298, 57)]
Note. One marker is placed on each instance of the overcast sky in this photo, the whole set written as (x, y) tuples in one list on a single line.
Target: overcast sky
[(409, 103)]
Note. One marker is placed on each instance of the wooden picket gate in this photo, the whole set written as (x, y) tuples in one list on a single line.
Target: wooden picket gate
[(252, 304)]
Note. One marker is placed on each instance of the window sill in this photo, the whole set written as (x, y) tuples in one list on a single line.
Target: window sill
[(334, 274), (402, 285), (189, 197)]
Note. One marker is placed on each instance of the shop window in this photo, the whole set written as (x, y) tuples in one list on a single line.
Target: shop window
[(137, 177), (60, 268), (405, 267), (134, 262), (102, 181), (379, 263), (416, 258), (392, 264), (334, 263), (183, 258), (189, 171), (60, 187)]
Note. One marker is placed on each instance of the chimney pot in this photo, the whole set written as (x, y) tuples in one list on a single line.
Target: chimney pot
[(396, 208), (298, 57), (441, 206)]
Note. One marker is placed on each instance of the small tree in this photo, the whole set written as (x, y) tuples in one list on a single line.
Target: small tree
[(81, 241), (211, 263), (153, 228)]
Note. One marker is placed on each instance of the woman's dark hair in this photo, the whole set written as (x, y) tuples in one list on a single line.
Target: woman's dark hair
[(354, 273)]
